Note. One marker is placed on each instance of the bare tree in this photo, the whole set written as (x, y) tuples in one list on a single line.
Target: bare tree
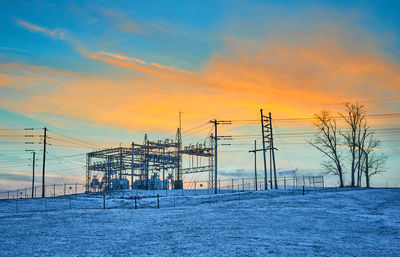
[(364, 134), (326, 141), (354, 119), (376, 165), (373, 163)]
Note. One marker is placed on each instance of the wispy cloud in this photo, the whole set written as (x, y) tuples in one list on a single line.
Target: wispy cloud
[(126, 59), (121, 21), (55, 33), (12, 49), (111, 58)]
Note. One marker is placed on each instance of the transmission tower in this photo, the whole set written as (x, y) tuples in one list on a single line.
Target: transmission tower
[(178, 179), (268, 144)]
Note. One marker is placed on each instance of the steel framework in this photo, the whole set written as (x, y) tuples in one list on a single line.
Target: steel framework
[(106, 168)]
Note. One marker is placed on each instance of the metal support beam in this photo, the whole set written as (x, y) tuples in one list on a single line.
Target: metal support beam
[(265, 158)]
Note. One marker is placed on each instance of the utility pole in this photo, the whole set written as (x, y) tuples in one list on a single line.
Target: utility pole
[(133, 164), (163, 171), (33, 170), (146, 143), (44, 161), (272, 150), (120, 162), (33, 173), (215, 156), (255, 161), (216, 138), (265, 158)]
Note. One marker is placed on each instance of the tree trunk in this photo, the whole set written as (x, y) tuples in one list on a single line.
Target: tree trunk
[(366, 172), (341, 179), (352, 168)]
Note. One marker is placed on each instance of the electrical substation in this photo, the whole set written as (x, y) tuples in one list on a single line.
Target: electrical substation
[(155, 165), (152, 165)]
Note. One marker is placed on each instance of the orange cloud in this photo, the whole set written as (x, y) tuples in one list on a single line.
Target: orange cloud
[(135, 64), (288, 79)]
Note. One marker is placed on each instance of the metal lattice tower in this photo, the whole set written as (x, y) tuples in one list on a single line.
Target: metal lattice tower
[(268, 145)]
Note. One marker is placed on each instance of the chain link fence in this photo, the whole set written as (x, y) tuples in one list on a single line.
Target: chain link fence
[(51, 190), (69, 196)]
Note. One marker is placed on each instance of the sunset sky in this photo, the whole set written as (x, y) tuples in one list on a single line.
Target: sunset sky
[(107, 72)]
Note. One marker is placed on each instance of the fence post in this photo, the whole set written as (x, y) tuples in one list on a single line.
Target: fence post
[(54, 193), (76, 188), (158, 201), (284, 182), (64, 189), (104, 201), (323, 182), (135, 202), (303, 189)]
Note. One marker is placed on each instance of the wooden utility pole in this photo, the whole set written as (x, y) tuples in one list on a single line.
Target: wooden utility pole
[(44, 161), (216, 138), (255, 161), (33, 172), (215, 155)]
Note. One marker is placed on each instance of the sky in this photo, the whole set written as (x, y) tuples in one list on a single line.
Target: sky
[(108, 72)]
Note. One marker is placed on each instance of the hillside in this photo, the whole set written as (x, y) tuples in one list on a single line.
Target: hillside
[(281, 223)]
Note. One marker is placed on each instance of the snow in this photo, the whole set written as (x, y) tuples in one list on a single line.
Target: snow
[(279, 223)]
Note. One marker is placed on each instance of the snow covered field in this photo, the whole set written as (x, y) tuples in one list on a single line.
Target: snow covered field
[(279, 223)]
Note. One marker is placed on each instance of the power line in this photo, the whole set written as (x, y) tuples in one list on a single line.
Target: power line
[(383, 115), (76, 139)]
